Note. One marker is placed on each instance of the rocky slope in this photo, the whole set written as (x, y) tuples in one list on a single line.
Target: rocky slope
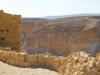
[(60, 36)]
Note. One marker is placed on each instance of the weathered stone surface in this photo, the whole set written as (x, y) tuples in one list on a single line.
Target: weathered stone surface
[(8, 54), (77, 63), (17, 63), (22, 56), (12, 54), (9, 31), (22, 64), (32, 59), (87, 67), (41, 60), (27, 64)]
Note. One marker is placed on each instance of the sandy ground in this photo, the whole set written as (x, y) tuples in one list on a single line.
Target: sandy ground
[(6, 69)]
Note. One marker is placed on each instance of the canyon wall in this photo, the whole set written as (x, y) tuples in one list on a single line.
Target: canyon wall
[(61, 36)]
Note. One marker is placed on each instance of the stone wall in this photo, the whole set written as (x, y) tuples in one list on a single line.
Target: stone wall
[(24, 60), (10, 30), (78, 63)]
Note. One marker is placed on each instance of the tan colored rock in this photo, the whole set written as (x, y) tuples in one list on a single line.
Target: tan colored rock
[(27, 64), (0, 52), (41, 60), (88, 70), (22, 63), (98, 54), (10, 27), (16, 56), (8, 54), (32, 59), (17, 62), (94, 71), (3, 53), (81, 73), (12, 61), (22, 56), (84, 66), (12, 54), (98, 64), (47, 60), (3, 59)]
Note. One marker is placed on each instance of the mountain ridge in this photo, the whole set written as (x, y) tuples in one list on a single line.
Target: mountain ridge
[(66, 16)]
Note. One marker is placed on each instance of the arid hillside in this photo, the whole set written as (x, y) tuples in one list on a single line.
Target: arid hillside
[(61, 36)]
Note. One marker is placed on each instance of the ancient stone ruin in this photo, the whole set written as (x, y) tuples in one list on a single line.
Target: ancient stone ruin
[(77, 63), (10, 31)]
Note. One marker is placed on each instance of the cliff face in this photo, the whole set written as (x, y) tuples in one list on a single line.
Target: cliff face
[(60, 36)]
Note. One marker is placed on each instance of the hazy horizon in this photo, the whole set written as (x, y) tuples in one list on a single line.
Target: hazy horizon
[(63, 15), (43, 8)]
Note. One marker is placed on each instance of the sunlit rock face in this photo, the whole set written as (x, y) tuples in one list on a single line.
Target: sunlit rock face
[(60, 36)]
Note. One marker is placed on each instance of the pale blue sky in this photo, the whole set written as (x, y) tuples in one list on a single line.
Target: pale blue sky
[(41, 8)]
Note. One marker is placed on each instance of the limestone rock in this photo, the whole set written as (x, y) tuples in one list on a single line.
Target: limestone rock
[(32, 59)]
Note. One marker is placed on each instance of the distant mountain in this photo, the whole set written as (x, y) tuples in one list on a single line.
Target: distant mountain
[(27, 19), (75, 15), (61, 16)]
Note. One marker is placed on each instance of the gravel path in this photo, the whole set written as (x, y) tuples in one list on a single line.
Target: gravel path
[(6, 69)]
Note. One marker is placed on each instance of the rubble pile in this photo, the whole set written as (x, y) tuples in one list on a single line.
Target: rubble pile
[(81, 63)]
